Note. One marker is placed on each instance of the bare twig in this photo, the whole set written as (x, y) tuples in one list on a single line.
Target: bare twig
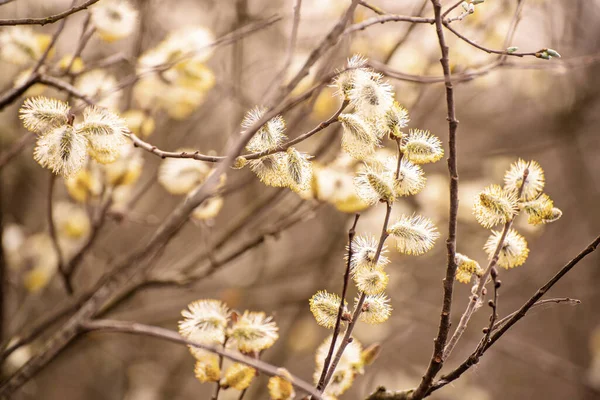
[(166, 334), (47, 20), (435, 364)]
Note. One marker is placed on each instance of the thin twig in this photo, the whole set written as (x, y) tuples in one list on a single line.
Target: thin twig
[(251, 156), (166, 334), (494, 316), (47, 20), (387, 18), (338, 322), (435, 364)]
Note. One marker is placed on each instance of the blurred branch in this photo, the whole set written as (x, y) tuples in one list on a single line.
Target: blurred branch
[(387, 18), (97, 223), (47, 20), (371, 7), (65, 87), (7, 156), (52, 230), (436, 362), (168, 335)]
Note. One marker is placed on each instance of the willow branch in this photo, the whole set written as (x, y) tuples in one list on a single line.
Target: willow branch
[(168, 335), (387, 18), (47, 20), (251, 156)]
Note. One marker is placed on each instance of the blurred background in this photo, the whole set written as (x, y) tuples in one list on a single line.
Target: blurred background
[(547, 111)]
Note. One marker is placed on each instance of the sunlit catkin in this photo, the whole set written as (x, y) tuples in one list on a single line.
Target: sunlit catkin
[(376, 309), (494, 205), (325, 306), (513, 252), (421, 147), (253, 332), (414, 235), (513, 179), (41, 114), (466, 268), (62, 150)]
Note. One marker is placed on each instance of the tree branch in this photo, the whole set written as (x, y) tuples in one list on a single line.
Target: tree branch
[(168, 335), (47, 20), (435, 364)]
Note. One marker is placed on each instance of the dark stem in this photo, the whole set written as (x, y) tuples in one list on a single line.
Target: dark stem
[(435, 364)]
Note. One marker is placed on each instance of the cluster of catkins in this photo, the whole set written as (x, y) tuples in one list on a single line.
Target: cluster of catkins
[(375, 116), (211, 322), (496, 205)]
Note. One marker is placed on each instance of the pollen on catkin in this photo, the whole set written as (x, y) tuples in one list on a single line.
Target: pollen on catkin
[(494, 206), (344, 81), (414, 235), (395, 119), (513, 252), (421, 147), (541, 210), (238, 376), (466, 268), (325, 307), (207, 366), (253, 332), (104, 131), (376, 309), (280, 387), (41, 114)]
